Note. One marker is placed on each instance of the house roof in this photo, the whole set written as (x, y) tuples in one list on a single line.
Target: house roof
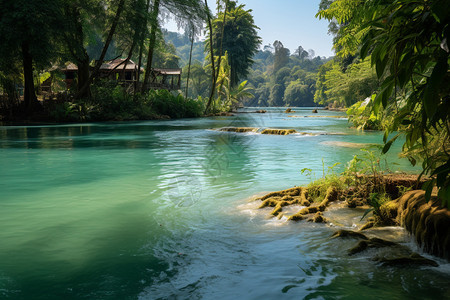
[(168, 71), (118, 64), (70, 67)]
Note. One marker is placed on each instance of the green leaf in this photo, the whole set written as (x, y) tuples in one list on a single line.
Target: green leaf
[(388, 145), (406, 122), (365, 49), (366, 212), (444, 195), (412, 160), (386, 94), (428, 188), (431, 95), (381, 66)]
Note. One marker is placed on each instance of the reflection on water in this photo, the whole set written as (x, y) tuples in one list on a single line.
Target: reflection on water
[(159, 209)]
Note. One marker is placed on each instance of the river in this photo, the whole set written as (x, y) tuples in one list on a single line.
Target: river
[(162, 210)]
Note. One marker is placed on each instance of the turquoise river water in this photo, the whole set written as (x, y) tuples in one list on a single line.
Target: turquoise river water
[(163, 210)]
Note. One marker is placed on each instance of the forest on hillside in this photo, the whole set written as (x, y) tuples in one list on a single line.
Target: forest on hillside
[(276, 77)]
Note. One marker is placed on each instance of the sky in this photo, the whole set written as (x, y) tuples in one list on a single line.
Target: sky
[(292, 22)]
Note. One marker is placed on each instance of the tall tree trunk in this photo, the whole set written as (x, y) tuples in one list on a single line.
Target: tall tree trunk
[(83, 77), (190, 60), (151, 47), (211, 50), (221, 38), (29, 95), (74, 43), (141, 47), (105, 49)]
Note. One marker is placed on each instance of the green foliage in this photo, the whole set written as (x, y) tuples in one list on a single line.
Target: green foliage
[(280, 79), (111, 102), (362, 117), (298, 94), (240, 40), (376, 200), (175, 106), (276, 95), (182, 45), (343, 88), (408, 44), (317, 188), (199, 79), (281, 56)]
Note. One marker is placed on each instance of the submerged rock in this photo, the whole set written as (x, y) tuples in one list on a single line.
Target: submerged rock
[(371, 243), (413, 259), (342, 233), (278, 131), (347, 144)]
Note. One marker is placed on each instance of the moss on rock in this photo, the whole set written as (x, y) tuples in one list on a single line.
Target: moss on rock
[(239, 129), (342, 233), (371, 243), (428, 221), (278, 131)]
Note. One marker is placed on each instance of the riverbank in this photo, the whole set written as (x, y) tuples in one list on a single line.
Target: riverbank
[(427, 220)]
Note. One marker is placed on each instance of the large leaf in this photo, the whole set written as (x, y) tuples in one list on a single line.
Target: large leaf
[(388, 145), (431, 95)]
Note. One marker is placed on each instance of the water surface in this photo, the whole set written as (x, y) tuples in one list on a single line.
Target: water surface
[(160, 210)]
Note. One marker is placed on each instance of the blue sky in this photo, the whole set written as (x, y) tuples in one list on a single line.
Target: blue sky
[(290, 21)]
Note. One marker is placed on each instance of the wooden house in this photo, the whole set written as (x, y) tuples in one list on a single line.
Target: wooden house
[(117, 70)]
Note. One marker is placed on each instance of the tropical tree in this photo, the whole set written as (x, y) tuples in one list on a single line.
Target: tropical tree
[(28, 31), (240, 39), (185, 12), (343, 89), (408, 45), (298, 93), (230, 96), (281, 56)]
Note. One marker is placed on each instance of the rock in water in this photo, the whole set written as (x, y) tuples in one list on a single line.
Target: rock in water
[(342, 233), (278, 131), (238, 129)]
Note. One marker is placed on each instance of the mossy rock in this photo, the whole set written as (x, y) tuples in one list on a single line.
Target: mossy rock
[(278, 131), (296, 217), (354, 202), (239, 129), (319, 218), (412, 260), (389, 210), (428, 221), (342, 233), (280, 199), (295, 191), (368, 225), (371, 243)]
